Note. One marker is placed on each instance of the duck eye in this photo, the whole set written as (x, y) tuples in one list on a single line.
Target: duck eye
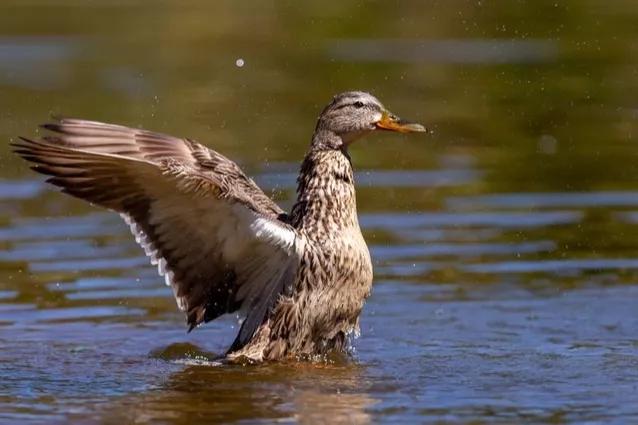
[(358, 104)]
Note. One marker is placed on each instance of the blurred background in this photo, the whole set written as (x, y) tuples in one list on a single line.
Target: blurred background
[(505, 242)]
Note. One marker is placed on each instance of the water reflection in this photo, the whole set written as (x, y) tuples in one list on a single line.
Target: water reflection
[(36, 63), (547, 200), (303, 393)]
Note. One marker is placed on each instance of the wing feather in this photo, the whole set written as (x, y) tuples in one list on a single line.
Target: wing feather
[(220, 242)]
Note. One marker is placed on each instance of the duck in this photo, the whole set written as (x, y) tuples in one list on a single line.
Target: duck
[(298, 280)]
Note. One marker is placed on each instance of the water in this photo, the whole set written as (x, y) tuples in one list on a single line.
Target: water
[(505, 242)]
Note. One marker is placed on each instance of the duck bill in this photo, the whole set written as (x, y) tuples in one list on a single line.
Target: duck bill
[(391, 122)]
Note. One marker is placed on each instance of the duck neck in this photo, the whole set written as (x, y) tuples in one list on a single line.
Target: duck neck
[(325, 189)]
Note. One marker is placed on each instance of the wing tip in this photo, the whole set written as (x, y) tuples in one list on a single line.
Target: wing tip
[(51, 126), (23, 146), (57, 121)]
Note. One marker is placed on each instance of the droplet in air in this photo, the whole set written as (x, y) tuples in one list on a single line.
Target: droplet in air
[(239, 62)]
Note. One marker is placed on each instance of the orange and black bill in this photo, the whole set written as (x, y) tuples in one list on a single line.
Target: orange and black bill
[(391, 122)]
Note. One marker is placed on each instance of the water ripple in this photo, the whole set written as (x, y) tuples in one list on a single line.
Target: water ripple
[(546, 200), (493, 219), (552, 266), (459, 249)]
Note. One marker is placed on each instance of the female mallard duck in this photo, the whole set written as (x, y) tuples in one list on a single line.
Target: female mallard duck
[(298, 279)]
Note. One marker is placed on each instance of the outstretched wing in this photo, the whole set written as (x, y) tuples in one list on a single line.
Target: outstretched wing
[(215, 236)]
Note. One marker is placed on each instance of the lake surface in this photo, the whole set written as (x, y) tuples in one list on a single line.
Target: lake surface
[(505, 241)]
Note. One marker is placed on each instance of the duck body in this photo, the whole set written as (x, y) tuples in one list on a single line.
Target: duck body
[(299, 280), (334, 276)]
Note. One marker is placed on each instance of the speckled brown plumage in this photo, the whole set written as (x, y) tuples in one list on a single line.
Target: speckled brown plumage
[(299, 279)]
